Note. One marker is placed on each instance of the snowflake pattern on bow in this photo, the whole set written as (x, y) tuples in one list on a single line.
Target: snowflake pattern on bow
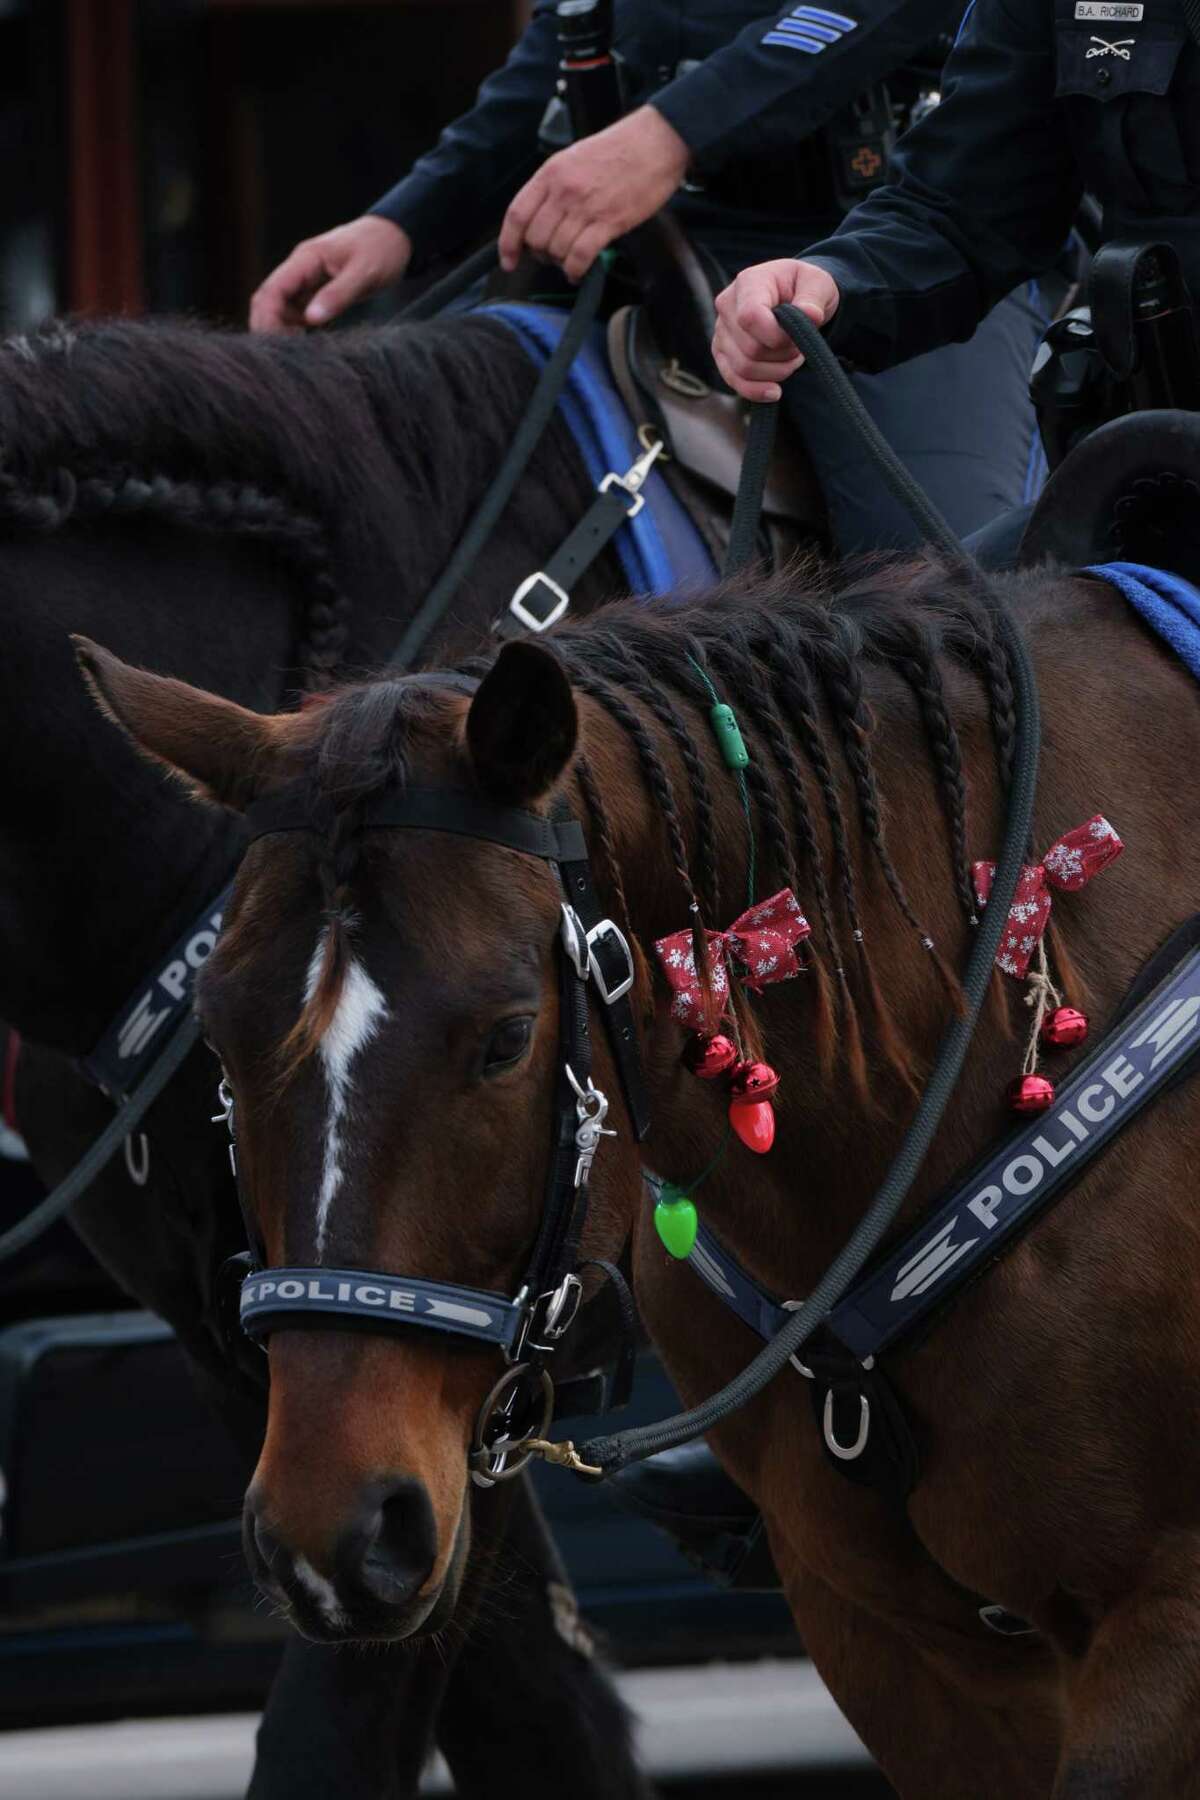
[(1069, 864), (758, 948)]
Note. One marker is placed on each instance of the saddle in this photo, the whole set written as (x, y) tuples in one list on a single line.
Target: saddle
[(1129, 492), (659, 360)]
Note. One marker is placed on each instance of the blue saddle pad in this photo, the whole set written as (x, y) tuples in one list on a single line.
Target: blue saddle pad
[(1169, 604), (661, 550)]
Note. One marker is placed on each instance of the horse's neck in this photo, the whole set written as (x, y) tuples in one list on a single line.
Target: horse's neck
[(786, 1213), (107, 864)]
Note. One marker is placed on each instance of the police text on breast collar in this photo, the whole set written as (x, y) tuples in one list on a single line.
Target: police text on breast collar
[(957, 1237)]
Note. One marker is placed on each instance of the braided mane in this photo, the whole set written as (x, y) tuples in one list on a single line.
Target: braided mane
[(313, 446), (793, 658)]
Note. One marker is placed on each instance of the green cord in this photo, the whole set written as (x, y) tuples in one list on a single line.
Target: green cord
[(733, 748), (704, 1175)]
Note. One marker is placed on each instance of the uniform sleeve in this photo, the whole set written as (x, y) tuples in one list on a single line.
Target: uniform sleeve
[(981, 197), (789, 72), (480, 161)]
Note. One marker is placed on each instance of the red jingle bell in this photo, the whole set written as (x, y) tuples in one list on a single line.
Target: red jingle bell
[(751, 1082), (754, 1122), (1030, 1094), (1064, 1028), (709, 1057)]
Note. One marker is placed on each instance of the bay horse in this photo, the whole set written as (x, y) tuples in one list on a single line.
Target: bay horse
[(256, 515), (384, 1003)]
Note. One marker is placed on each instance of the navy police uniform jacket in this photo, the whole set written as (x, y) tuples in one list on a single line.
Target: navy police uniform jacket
[(740, 83), (1042, 100)]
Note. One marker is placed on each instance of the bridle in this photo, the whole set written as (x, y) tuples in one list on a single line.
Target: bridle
[(528, 1327)]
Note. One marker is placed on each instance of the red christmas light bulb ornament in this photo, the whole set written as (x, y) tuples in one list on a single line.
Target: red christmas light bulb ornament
[(754, 1122), (1064, 1028), (709, 1057), (1030, 1094), (750, 1111)]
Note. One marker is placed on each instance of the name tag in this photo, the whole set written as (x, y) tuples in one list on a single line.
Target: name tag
[(1115, 11)]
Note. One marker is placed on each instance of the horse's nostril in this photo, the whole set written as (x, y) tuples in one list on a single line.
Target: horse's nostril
[(392, 1553)]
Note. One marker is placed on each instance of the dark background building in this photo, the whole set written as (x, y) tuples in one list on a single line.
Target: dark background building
[(162, 155)]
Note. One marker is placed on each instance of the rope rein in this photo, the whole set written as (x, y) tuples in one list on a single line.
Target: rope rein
[(607, 1454)]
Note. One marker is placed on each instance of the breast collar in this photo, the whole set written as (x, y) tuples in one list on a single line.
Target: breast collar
[(1154, 1042), (594, 957)]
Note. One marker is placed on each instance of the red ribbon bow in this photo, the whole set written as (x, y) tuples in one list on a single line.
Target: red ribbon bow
[(1068, 864), (759, 947)]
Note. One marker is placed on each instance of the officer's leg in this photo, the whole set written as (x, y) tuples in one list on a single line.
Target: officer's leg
[(960, 420)]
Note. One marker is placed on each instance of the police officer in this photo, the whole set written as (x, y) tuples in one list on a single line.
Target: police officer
[(729, 128), (1042, 99)]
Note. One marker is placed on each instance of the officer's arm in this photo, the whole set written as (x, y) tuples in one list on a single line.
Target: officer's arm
[(982, 196), (464, 183), (790, 71)]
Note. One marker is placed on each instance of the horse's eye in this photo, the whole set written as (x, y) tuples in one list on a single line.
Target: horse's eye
[(507, 1044)]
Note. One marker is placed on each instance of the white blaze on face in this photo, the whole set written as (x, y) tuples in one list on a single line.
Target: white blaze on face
[(360, 1008)]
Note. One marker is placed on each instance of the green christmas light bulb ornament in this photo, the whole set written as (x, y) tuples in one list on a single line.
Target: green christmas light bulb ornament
[(728, 734), (675, 1220)]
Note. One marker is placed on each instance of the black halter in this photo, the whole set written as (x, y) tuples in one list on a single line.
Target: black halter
[(528, 1327)]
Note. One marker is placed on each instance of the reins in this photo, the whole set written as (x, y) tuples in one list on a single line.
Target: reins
[(593, 954), (605, 1455), (526, 439), (514, 1416)]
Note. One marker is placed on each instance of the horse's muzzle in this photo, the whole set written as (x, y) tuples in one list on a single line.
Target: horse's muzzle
[(375, 1581)]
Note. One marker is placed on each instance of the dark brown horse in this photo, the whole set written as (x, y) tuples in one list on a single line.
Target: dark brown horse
[(253, 515), (1053, 1405)]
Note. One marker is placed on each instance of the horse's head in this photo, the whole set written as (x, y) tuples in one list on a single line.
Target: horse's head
[(386, 1007)]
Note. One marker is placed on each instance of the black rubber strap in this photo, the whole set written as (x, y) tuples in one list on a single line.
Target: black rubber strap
[(306, 1298), (451, 287), (618, 1016), (614, 1452), (565, 1206), (433, 809), (542, 600), (621, 1385), (743, 547), (528, 435)]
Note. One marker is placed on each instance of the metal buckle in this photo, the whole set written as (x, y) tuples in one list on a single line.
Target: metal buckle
[(225, 1117), (562, 1308), (847, 1452), (591, 1109), (530, 620), (609, 928), (637, 501), (574, 940), (630, 482)]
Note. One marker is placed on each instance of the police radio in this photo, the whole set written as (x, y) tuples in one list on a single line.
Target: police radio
[(1135, 348), (861, 139), (589, 87)]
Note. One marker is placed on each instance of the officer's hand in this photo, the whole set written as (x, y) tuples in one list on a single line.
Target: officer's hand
[(752, 350), (585, 196), (324, 275)]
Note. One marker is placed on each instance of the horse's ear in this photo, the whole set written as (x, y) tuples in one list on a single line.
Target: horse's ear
[(219, 750), (522, 726)]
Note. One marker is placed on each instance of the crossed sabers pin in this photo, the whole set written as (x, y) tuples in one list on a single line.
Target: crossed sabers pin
[(1104, 48)]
